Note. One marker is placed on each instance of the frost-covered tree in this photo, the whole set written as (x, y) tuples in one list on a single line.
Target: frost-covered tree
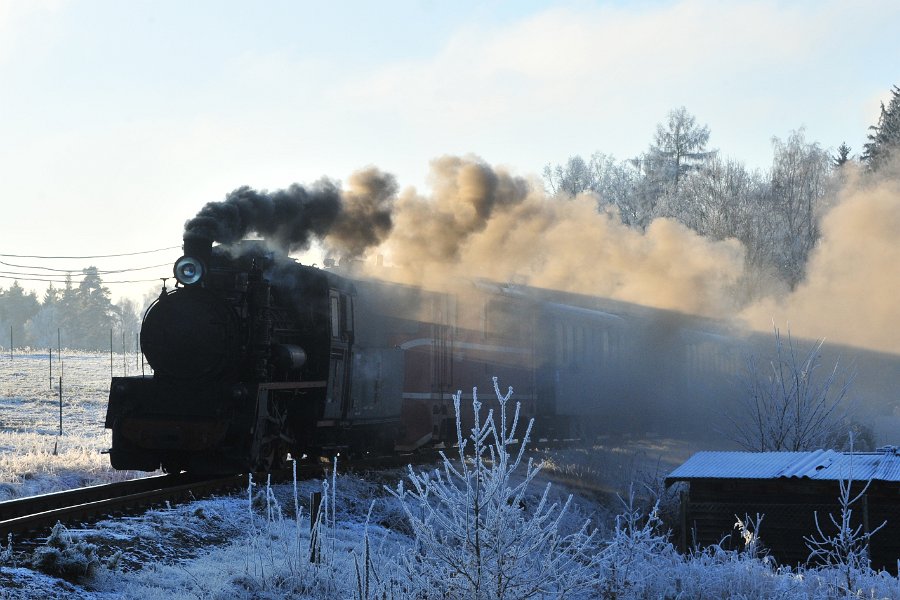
[(799, 182), (17, 307), (127, 319), (884, 141), (617, 184), (791, 405), (679, 146), (479, 534), (571, 179), (844, 548)]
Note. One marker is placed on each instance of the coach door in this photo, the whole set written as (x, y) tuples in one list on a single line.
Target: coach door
[(337, 405)]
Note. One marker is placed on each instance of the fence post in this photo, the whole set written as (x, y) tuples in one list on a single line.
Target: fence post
[(315, 505), (60, 405), (110, 354), (50, 354)]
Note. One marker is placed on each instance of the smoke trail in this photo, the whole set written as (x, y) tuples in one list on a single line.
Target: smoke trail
[(483, 222), (851, 290), (294, 217)]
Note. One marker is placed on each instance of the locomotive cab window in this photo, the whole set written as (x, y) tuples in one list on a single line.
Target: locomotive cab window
[(335, 316), (341, 315)]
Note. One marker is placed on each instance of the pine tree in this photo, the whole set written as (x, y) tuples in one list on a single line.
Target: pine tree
[(884, 141), (842, 156), (95, 313)]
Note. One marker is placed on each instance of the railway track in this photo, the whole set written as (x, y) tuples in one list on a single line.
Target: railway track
[(37, 514)]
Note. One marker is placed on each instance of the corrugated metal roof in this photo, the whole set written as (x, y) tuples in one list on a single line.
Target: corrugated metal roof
[(818, 464)]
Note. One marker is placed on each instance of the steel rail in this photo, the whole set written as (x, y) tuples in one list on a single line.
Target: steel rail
[(35, 513)]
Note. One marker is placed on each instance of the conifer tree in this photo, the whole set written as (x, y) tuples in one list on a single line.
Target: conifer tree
[(884, 141)]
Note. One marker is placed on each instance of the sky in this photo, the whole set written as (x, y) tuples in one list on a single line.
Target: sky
[(120, 120)]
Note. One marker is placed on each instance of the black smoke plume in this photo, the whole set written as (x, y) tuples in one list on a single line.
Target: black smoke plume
[(346, 222)]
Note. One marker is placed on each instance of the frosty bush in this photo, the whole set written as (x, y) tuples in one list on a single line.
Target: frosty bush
[(63, 557), (6, 554), (475, 537), (637, 543)]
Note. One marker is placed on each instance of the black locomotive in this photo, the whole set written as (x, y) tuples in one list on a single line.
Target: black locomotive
[(255, 356)]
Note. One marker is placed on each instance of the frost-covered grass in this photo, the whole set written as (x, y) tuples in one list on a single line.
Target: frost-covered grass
[(34, 457)]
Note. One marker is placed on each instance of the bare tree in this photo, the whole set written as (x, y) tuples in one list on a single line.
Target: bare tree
[(790, 406)]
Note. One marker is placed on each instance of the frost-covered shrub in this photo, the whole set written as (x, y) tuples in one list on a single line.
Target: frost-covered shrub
[(64, 557), (635, 553), (844, 548), (6, 554), (477, 532)]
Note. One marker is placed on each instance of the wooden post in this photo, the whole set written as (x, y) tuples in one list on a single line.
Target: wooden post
[(124, 364), (315, 505), (50, 354), (59, 352), (10, 342), (682, 509), (110, 353), (60, 405)]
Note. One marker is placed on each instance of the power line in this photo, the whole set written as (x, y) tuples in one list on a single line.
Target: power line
[(85, 257), (79, 271), (64, 281)]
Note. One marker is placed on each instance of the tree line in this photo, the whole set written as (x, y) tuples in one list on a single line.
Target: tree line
[(775, 213), (79, 316)]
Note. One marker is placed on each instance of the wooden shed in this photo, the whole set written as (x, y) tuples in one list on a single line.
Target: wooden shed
[(789, 488)]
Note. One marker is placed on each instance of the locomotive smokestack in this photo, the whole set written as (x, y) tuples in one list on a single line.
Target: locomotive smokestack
[(198, 246)]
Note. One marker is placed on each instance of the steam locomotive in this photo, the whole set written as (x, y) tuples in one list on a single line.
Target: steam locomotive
[(255, 356)]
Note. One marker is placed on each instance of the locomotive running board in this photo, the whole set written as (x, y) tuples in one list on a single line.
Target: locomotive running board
[(292, 385)]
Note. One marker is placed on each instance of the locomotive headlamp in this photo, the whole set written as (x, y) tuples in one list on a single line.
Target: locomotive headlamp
[(188, 270)]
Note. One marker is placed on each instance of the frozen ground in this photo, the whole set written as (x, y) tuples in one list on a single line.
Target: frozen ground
[(230, 547)]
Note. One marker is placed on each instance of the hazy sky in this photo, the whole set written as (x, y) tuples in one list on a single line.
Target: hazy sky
[(120, 119)]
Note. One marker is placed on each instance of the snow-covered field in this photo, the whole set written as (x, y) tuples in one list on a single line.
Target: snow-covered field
[(372, 543)]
